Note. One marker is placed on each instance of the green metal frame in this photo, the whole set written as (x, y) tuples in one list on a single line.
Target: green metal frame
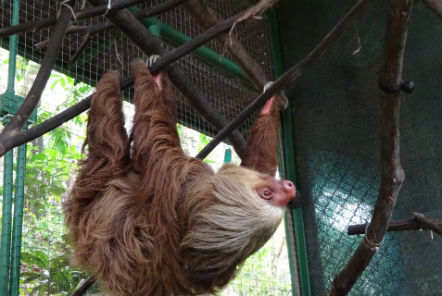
[(6, 223), (169, 34), (10, 254), (18, 220), (289, 160), (228, 155), (5, 248), (175, 37)]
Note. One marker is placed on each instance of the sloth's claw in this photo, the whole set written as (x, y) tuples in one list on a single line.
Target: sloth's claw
[(152, 60)]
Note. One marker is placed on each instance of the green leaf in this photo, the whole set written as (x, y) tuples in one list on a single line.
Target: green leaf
[(29, 277), (37, 257)]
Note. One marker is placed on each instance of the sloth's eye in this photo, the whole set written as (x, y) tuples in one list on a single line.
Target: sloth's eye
[(266, 194)]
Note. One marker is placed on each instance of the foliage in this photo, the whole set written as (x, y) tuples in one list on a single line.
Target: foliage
[(265, 273), (50, 161), (48, 275)]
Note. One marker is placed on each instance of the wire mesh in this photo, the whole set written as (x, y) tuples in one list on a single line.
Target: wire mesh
[(337, 144), (46, 269)]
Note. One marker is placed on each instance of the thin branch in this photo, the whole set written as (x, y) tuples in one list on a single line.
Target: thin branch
[(398, 225), (392, 174), (426, 223), (88, 30), (84, 287), (435, 6), (141, 36), (101, 27), (10, 142), (206, 17), (80, 48), (90, 12), (290, 75), (24, 111)]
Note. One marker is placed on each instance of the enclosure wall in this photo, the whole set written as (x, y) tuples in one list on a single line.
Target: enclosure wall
[(335, 111)]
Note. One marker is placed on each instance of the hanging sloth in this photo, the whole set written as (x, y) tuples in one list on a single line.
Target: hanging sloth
[(153, 221)]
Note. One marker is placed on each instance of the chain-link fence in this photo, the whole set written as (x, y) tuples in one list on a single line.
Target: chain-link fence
[(335, 107)]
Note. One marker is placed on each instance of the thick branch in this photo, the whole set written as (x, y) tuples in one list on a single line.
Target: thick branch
[(290, 75), (239, 54), (399, 225), (10, 142), (33, 97), (392, 174), (90, 12), (435, 5), (129, 25), (101, 27)]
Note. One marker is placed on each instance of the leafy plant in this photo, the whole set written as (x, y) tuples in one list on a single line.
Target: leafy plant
[(48, 275), (50, 165)]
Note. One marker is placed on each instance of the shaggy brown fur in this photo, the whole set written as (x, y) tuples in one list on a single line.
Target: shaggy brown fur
[(157, 222), (264, 133)]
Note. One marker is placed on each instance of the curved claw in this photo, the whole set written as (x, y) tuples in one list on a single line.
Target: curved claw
[(266, 86), (152, 60), (281, 100)]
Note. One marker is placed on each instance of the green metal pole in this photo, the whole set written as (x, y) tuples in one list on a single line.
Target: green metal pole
[(13, 47), (5, 247), (6, 223), (228, 155), (174, 36), (287, 126), (203, 52), (18, 221)]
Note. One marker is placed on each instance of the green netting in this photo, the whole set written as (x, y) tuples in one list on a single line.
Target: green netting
[(335, 108)]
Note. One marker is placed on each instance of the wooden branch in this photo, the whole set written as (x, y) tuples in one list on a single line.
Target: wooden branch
[(130, 26), (24, 136), (290, 75), (88, 30), (44, 23), (435, 6), (435, 226), (24, 111), (84, 287), (101, 27), (392, 174), (206, 17), (398, 225)]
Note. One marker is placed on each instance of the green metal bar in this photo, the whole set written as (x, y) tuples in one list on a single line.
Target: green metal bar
[(13, 44), (228, 155), (154, 28), (5, 248), (203, 52), (287, 126), (177, 38), (18, 220)]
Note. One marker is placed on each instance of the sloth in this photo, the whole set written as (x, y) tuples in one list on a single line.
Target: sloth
[(145, 219)]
